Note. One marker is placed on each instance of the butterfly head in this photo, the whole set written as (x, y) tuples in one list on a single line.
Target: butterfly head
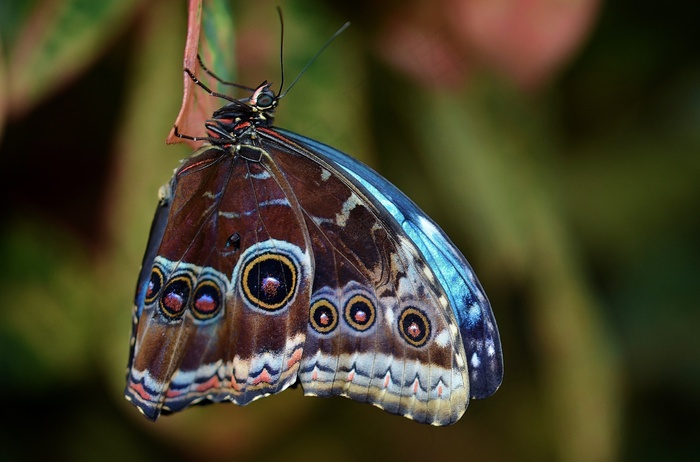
[(263, 98), (258, 109), (240, 116)]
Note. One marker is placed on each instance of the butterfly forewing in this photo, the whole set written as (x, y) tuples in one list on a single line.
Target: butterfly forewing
[(395, 343), (229, 326)]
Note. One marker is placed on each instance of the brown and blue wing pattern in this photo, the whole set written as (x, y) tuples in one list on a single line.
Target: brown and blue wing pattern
[(407, 356), (274, 259), (227, 327)]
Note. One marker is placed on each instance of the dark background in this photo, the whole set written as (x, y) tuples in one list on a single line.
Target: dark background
[(556, 142)]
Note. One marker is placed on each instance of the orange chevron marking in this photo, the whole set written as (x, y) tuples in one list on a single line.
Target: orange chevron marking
[(213, 382), (295, 358), (263, 377), (141, 391)]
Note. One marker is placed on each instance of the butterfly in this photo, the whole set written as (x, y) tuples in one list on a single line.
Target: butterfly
[(275, 260)]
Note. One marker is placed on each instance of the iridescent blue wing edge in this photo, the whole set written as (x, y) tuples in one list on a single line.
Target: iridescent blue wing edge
[(469, 303)]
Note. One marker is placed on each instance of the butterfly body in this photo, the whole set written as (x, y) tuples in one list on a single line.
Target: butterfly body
[(274, 259)]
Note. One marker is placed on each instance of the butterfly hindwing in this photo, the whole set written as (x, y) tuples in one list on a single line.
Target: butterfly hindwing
[(468, 301), (381, 330)]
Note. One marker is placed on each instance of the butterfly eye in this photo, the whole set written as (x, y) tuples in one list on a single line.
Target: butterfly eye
[(414, 326), (265, 100)]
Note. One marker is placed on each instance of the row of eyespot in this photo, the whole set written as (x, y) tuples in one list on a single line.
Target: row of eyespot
[(174, 297), (359, 312)]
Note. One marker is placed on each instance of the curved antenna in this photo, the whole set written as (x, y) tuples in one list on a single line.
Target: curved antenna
[(279, 12), (311, 61)]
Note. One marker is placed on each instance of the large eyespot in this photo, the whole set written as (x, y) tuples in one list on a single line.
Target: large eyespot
[(155, 283), (175, 295), (359, 312), (269, 280), (414, 326), (207, 300), (323, 316)]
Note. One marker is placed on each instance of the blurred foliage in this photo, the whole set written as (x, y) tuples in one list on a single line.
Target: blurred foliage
[(575, 198)]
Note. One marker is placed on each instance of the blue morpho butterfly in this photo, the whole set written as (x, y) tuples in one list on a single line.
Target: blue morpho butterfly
[(274, 259)]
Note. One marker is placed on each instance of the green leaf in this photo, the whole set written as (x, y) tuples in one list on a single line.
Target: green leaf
[(56, 41), (217, 40)]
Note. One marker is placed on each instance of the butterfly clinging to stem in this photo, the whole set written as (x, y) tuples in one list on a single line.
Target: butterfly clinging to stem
[(274, 259)]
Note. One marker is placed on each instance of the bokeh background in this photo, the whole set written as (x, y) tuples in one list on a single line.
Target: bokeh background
[(556, 141)]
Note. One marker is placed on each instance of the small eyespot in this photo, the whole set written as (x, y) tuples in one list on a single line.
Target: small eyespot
[(175, 296), (360, 313), (155, 283), (207, 300), (323, 316), (414, 326), (234, 241)]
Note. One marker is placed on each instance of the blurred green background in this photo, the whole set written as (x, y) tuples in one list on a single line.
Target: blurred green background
[(557, 143)]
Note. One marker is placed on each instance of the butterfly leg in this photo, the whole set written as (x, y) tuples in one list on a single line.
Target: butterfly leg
[(208, 90), (219, 79), (210, 139)]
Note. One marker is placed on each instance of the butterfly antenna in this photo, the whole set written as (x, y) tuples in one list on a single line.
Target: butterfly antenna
[(311, 61), (279, 12)]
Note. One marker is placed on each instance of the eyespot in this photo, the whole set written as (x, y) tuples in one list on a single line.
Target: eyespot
[(207, 300), (323, 316), (175, 296), (155, 283), (414, 326), (234, 241), (359, 312), (269, 280)]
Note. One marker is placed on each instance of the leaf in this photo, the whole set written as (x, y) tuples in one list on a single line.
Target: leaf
[(213, 43), (59, 40)]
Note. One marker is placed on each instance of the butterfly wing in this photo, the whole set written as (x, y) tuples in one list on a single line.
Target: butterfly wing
[(373, 247), (304, 263), (467, 298), (212, 318)]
